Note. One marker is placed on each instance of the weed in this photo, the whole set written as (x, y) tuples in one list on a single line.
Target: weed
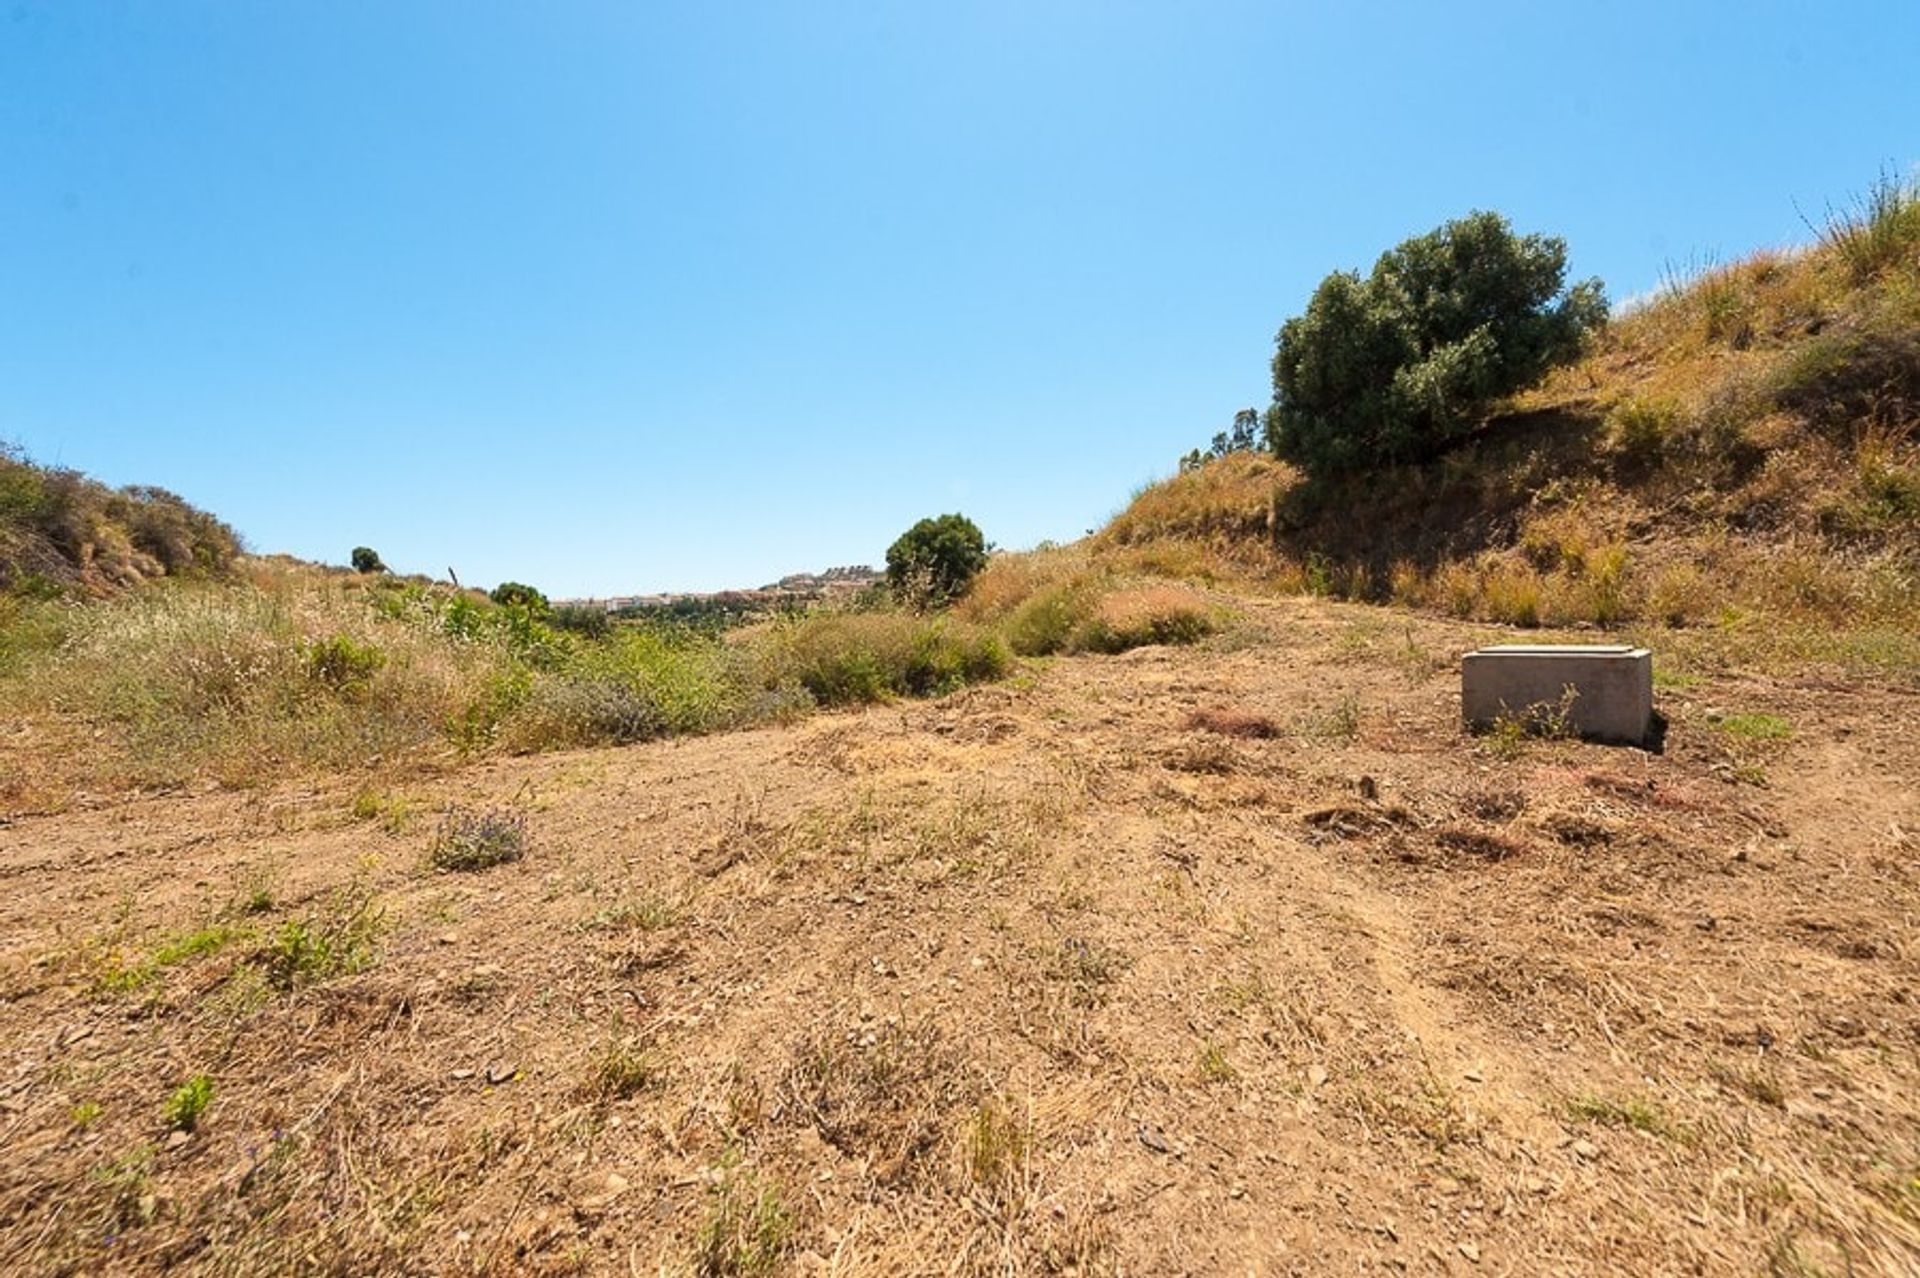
[(1214, 1067), (880, 1094), (476, 840), (336, 942), (1756, 727), (1639, 1115), (85, 1114), (645, 914), (996, 1152), (117, 975), (1880, 230), (1087, 967), (1342, 723), (188, 1102), (623, 1069), (393, 812), (746, 1229)]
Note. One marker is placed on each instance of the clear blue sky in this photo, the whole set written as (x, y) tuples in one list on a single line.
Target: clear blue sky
[(627, 296)]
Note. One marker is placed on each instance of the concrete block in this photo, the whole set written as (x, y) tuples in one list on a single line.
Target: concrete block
[(1612, 687)]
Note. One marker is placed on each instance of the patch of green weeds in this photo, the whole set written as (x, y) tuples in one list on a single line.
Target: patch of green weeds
[(85, 1114), (188, 1102), (623, 1069), (1214, 1067), (746, 1229), (336, 941), (1756, 727), (119, 974), (394, 813), (1632, 1112)]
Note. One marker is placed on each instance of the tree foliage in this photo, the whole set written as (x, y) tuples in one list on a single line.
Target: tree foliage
[(1396, 366), (934, 560), (510, 594), (1242, 437), (367, 559)]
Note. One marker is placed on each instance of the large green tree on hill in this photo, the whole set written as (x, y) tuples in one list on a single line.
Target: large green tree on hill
[(1396, 366)]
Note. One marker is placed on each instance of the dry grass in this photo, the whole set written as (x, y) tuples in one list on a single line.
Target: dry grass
[(1002, 983)]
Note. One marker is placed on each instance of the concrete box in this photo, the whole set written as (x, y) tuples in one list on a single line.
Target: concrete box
[(1612, 687)]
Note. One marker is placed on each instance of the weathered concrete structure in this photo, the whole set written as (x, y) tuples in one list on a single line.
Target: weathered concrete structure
[(1612, 687)]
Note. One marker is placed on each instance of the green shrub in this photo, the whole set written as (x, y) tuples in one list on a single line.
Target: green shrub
[(514, 594), (188, 1102), (846, 658), (343, 663), (366, 559), (1396, 366), (933, 561)]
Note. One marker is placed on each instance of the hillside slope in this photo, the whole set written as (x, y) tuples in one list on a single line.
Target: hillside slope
[(1748, 441)]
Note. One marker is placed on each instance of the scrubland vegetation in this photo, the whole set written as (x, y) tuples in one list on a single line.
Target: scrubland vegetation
[(1737, 456)]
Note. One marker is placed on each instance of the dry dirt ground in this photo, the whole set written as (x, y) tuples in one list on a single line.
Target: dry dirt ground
[(1232, 959)]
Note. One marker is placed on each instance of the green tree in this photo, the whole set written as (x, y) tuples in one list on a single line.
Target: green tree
[(366, 559), (512, 593), (1396, 366), (934, 560)]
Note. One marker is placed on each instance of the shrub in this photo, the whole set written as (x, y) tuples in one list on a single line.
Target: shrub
[(1396, 366), (188, 1102), (860, 657), (933, 561), (343, 663), (469, 840), (1153, 614), (514, 594), (366, 559)]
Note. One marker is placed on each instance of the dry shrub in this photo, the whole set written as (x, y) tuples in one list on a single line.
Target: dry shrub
[(1233, 723), (1146, 615), (885, 1095)]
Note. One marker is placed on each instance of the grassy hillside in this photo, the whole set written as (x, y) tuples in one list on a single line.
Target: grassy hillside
[(62, 533), (1744, 445)]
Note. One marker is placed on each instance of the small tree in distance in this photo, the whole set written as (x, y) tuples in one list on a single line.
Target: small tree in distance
[(933, 561), (510, 594), (1396, 366), (366, 559)]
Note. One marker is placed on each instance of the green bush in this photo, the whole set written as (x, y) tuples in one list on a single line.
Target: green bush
[(933, 561), (849, 658), (1396, 366), (514, 594), (342, 663), (366, 559)]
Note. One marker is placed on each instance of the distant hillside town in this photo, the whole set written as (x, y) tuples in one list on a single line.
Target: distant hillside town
[(796, 590)]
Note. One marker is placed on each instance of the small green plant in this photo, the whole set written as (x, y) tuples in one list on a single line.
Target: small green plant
[(366, 560), (1087, 967), (1633, 1113), (85, 1114), (746, 1229), (118, 975), (1757, 727), (1214, 1067), (622, 1070), (188, 1102), (338, 941), (474, 840)]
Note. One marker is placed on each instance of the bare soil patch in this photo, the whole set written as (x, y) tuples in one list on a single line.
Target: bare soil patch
[(1075, 973)]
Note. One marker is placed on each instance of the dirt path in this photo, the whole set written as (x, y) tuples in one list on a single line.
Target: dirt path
[(1038, 977)]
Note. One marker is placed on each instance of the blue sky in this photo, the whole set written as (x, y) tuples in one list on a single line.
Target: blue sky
[(630, 296)]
